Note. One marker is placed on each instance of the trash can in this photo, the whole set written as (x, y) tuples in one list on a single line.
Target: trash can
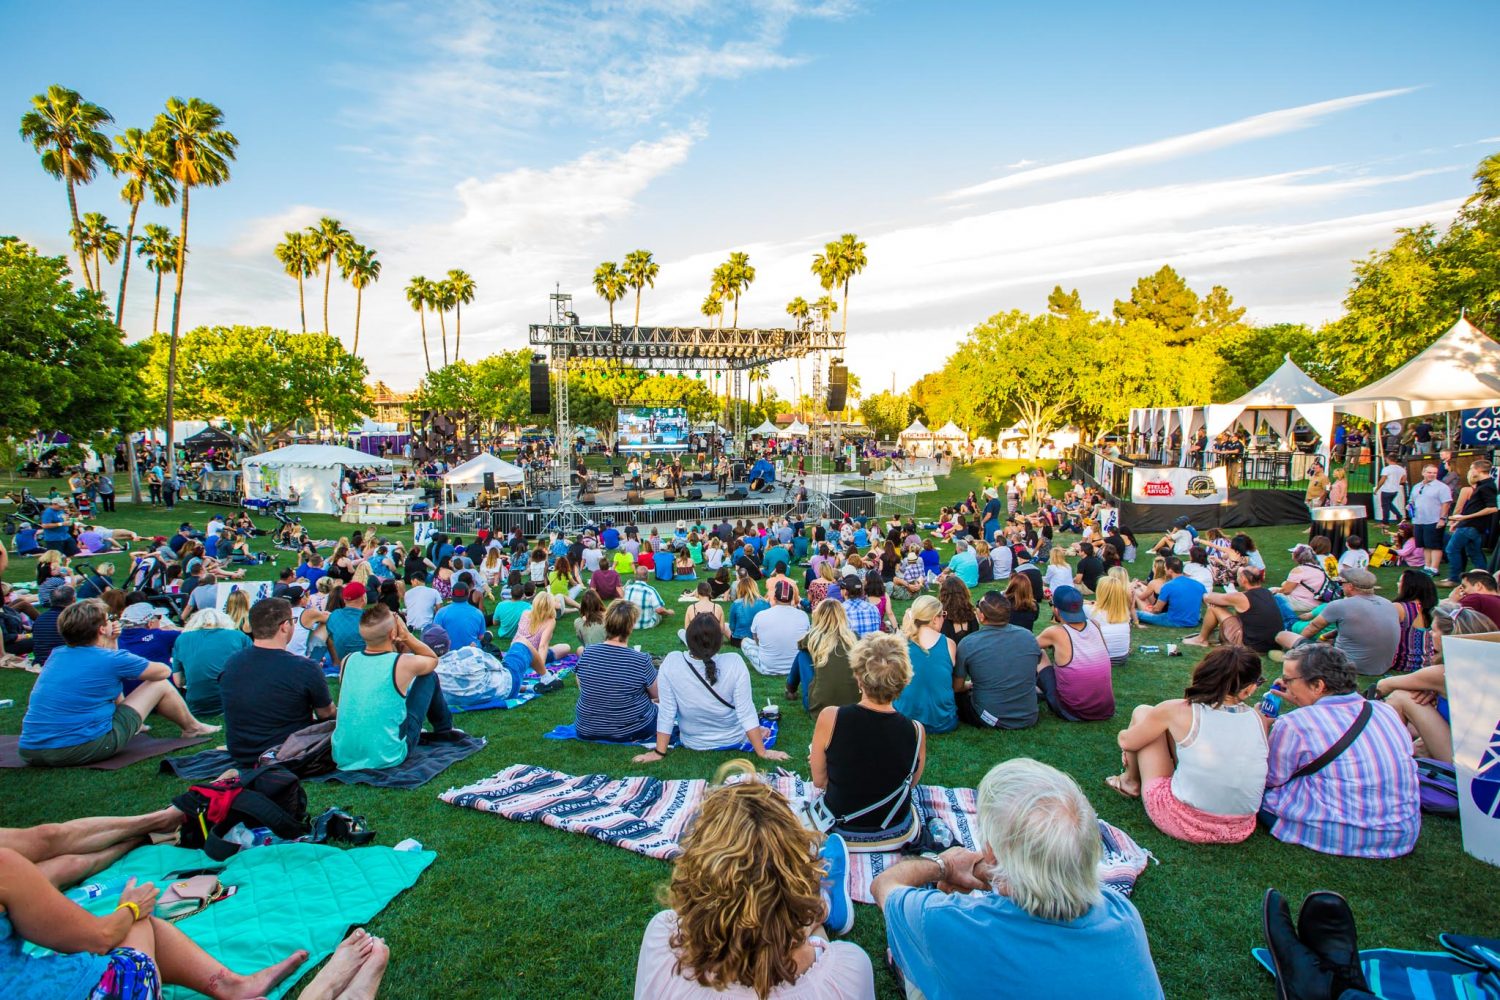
[(1337, 523), (840, 463)]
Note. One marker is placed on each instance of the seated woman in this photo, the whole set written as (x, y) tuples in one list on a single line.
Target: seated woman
[(713, 554), (76, 714), (616, 684), (1059, 573), (1299, 594), (1404, 548), (928, 698), (817, 587), (706, 696), (1415, 600), (747, 604), (535, 630), (1112, 612), (821, 669), (1146, 592), (868, 757), (1199, 761), (749, 897), (682, 566), (564, 584), (1421, 697), (198, 658), (1023, 606), (590, 622), (704, 606)]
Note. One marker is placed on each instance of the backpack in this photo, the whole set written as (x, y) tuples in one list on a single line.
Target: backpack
[(306, 753), (271, 797), (1438, 784)]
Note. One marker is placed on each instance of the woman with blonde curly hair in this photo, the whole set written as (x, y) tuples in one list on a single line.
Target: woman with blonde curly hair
[(747, 909)]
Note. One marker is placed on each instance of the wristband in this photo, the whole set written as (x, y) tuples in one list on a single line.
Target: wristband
[(134, 909)]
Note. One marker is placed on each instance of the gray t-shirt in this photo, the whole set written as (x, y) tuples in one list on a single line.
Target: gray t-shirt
[(1001, 661), (1369, 631)]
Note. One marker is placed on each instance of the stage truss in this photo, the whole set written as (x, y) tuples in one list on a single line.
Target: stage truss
[(656, 348)]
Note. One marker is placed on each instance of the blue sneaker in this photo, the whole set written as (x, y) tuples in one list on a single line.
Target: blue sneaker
[(840, 918)]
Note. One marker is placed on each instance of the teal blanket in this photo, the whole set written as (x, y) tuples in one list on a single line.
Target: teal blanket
[(290, 896)]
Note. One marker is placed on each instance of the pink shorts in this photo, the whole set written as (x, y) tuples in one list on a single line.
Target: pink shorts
[(1177, 819)]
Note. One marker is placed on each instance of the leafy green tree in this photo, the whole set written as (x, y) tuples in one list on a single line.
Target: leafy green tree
[(144, 175), (418, 294), (640, 271), (462, 288), (609, 285), (886, 413), (361, 269), (192, 145), (740, 273), (66, 130), (1064, 304), (298, 256), (1217, 312), (159, 248), (1164, 299), (1248, 355), (1487, 181)]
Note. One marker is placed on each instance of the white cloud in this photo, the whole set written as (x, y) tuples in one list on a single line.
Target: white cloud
[(1245, 130), (1021, 163)]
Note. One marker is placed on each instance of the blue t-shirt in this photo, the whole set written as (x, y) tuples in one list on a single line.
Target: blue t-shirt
[(861, 537), (742, 614), (73, 700), (154, 644), (610, 537), (343, 629), (54, 525), (312, 574), (957, 945), (965, 566), (1184, 600), (463, 622)]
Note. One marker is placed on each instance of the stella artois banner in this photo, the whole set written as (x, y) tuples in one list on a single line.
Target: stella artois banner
[(1187, 487)]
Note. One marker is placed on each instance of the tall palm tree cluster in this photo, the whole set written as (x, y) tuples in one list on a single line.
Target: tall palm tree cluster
[(186, 147), (306, 252), (441, 296), (611, 280)]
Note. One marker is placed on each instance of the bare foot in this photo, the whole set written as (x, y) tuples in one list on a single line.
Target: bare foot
[(260, 983), (166, 820), (1193, 640), (367, 981), (334, 978), (201, 729), (1120, 784)]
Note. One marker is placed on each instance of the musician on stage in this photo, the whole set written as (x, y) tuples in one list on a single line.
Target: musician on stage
[(721, 473)]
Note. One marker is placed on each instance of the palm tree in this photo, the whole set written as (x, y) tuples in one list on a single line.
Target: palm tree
[(64, 128), (143, 175), (758, 376), (609, 285), (851, 257), (463, 288), (712, 306), (440, 299), (99, 236), (329, 238), (799, 310), (640, 271), (721, 286), (159, 247), (825, 267), (740, 275), (360, 268), (825, 308), (191, 143), (417, 296), (1487, 177), (298, 259)]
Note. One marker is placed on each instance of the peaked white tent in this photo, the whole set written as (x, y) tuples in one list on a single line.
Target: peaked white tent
[(794, 429), (766, 429), (950, 432), (916, 437), (1459, 371), (1288, 392), (312, 471)]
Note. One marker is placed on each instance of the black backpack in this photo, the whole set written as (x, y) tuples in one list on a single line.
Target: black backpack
[(270, 797)]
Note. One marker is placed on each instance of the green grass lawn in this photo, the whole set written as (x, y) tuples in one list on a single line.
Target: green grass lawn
[(520, 910)]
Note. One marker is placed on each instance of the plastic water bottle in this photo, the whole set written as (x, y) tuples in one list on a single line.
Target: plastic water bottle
[(98, 890), (7, 703), (938, 834), (1270, 705)]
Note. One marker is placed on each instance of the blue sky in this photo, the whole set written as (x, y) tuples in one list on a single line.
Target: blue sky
[(984, 151)]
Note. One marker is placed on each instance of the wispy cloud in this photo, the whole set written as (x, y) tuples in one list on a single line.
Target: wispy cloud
[(1020, 164), (1245, 130)]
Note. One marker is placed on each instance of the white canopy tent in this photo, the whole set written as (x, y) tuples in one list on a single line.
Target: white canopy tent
[(950, 432), (312, 471), (467, 480), (794, 429), (1459, 371), (917, 438), (766, 429), (1287, 393)]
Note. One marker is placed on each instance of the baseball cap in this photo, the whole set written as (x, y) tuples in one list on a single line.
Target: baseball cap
[(293, 594), (1357, 576), (353, 591), (437, 637), (140, 613), (460, 591), (784, 591), (185, 526), (1182, 521), (1068, 603)]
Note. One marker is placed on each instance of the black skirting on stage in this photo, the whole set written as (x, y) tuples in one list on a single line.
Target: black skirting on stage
[(1245, 509)]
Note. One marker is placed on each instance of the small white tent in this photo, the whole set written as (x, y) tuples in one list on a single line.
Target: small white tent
[(794, 429), (312, 471), (950, 432), (467, 480), (1288, 392), (766, 429), (1459, 371), (917, 439)]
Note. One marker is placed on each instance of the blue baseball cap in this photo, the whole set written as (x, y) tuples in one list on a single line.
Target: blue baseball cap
[(1068, 603)]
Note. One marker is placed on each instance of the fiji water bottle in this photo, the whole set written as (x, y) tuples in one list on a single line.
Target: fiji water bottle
[(1270, 705)]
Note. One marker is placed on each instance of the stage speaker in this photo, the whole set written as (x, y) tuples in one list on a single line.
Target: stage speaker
[(738, 493), (695, 494), (634, 497), (587, 499), (838, 386), (668, 495), (541, 391), (737, 470), (489, 482)]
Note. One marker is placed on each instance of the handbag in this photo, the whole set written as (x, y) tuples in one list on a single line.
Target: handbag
[(822, 819)]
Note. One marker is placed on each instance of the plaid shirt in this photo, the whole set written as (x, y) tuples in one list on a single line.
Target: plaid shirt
[(1365, 803), (912, 571), (646, 600), (864, 617)]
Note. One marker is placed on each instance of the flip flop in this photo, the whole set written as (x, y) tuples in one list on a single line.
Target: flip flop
[(1115, 781)]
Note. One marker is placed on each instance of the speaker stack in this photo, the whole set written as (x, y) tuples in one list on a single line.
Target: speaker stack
[(838, 385)]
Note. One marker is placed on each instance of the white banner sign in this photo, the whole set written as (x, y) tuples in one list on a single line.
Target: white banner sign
[(1184, 487), (256, 590), (1472, 665)]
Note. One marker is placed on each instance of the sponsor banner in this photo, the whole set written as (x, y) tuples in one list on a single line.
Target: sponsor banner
[(1480, 428), (1184, 487), (1472, 665), (256, 590)]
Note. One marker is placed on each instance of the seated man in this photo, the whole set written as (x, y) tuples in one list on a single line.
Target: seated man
[(144, 632), (1179, 604), (964, 564), (1369, 627), (461, 620), (1178, 540), (1044, 927), (776, 631), (911, 577), (76, 715), (387, 689), (648, 604), (1362, 803), (994, 676), (269, 692)]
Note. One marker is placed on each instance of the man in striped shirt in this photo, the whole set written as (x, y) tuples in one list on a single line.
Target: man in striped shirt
[(1365, 803), (648, 603)]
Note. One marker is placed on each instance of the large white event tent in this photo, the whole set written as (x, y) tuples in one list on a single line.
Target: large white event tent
[(1287, 393), (766, 429), (467, 480), (950, 432), (1459, 371), (313, 470), (916, 437), (794, 429)]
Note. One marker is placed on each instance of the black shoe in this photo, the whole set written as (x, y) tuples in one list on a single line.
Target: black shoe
[(1326, 925), (1299, 971), (443, 736)]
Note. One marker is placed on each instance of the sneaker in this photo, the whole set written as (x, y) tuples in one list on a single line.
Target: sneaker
[(1277, 655), (443, 736), (840, 919), (548, 683)]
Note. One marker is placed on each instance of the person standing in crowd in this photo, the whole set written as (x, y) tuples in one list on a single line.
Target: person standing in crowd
[(994, 671), (1389, 490), (1470, 523), (1431, 503)]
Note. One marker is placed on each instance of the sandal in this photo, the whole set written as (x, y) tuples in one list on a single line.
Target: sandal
[(1117, 782), (337, 825)]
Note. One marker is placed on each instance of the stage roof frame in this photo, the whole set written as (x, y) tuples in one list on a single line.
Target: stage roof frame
[(682, 348)]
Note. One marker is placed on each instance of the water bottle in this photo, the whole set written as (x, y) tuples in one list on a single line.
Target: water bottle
[(98, 890), (1148, 649), (240, 836), (939, 836), (1270, 705)]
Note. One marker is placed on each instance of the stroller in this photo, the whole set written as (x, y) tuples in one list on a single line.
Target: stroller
[(28, 512)]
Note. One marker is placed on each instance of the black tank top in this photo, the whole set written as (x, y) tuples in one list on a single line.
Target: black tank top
[(1261, 620), (869, 756)]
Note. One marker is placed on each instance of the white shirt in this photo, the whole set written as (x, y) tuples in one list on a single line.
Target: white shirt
[(1354, 558), (1201, 573), (1427, 499), (1390, 478), (592, 559), (1002, 559), (1116, 634), (421, 604), (706, 723), (213, 529), (840, 971), (1057, 576), (777, 630), (1221, 764), (1182, 542), (538, 571)]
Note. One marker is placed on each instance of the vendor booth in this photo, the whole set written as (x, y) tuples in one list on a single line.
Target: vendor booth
[(765, 430), (916, 439), (794, 429), (467, 481), (307, 476)]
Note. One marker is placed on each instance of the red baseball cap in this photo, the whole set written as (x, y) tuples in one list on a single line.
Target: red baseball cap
[(353, 591)]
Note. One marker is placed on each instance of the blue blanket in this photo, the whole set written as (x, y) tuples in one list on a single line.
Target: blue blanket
[(568, 731)]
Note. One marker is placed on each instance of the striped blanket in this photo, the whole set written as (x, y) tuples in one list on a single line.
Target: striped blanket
[(648, 815)]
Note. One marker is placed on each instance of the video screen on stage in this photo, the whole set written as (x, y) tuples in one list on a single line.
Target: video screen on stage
[(652, 428)]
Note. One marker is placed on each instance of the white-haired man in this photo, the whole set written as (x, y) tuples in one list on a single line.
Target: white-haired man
[(1027, 916)]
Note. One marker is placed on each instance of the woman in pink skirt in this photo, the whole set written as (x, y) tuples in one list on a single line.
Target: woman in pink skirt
[(1211, 793)]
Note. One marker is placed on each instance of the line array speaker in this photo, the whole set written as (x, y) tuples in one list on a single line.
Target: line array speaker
[(541, 390), (838, 386)]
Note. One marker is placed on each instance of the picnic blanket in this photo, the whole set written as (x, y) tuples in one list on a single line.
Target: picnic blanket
[(1470, 970), (139, 748), (648, 816), (562, 668), (423, 764), (288, 896), (568, 731)]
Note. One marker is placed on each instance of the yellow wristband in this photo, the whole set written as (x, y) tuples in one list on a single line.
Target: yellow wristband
[(132, 907)]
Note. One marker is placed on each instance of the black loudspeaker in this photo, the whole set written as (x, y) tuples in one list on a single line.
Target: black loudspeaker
[(634, 497), (838, 386), (738, 493), (695, 494), (737, 470), (587, 499), (668, 495), (489, 482), (541, 390)]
